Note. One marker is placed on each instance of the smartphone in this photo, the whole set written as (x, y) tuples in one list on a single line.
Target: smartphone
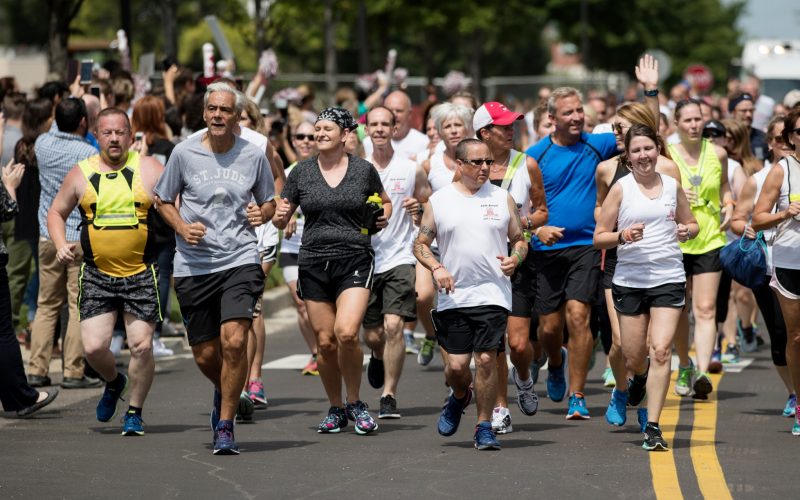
[(86, 71), (95, 91), (73, 66)]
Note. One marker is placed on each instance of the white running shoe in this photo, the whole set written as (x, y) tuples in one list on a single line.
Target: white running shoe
[(501, 421), (160, 350), (116, 345)]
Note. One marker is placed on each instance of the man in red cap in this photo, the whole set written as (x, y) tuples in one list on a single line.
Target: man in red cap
[(519, 174)]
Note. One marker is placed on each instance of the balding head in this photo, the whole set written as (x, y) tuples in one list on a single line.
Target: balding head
[(92, 108), (399, 103)]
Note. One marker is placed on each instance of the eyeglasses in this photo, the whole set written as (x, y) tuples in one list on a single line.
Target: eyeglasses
[(709, 133), (477, 162), (302, 137)]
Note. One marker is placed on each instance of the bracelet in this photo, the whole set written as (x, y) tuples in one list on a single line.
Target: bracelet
[(527, 223), (519, 257), (621, 238), (651, 93), (436, 268)]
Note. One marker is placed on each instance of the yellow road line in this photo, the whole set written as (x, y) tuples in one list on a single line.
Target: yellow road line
[(703, 451), (662, 464)]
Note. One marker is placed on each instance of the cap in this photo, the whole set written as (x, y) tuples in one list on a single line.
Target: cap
[(736, 100), (791, 98), (714, 128), (493, 113)]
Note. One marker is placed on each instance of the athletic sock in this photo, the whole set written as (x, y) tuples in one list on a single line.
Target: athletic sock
[(747, 333), (135, 410)]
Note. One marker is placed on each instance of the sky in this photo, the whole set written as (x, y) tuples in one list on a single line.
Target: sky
[(770, 19)]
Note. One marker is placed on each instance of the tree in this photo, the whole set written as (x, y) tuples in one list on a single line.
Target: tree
[(60, 16)]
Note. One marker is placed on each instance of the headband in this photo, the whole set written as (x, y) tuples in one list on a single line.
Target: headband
[(339, 116), (736, 100)]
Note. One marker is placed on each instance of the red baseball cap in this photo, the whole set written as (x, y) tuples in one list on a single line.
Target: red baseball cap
[(493, 113)]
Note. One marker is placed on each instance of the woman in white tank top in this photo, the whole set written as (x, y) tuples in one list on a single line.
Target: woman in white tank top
[(782, 188), (649, 283)]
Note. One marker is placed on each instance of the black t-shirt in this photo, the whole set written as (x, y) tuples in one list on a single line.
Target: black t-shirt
[(333, 216), (161, 149)]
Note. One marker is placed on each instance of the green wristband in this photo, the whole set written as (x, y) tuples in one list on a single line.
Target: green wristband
[(519, 257)]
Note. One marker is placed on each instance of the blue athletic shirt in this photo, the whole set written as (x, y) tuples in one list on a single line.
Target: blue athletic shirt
[(569, 185)]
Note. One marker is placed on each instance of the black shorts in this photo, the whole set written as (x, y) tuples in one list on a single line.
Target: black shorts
[(609, 266), (634, 301), (465, 330), (208, 300), (287, 259), (523, 289), (325, 280), (566, 274), (269, 255), (703, 263), (789, 279), (100, 293), (392, 293)]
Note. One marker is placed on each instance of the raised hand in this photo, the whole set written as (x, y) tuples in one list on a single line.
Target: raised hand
[(647, 72)]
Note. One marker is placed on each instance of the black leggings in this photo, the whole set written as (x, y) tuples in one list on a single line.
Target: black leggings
[(723, 296), (773, 319)]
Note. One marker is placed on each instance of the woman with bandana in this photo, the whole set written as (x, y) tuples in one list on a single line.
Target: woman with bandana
[(336, 261)]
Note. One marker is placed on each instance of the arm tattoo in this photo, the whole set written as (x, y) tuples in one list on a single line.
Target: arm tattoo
[(422, 250), (427, 231)]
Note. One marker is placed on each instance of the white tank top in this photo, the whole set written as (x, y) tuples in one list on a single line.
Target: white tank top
[(472, 231), (656, 259), (786, 246), (292, 245), (439, 175), (769, 234), (520, 186), (393, 245)]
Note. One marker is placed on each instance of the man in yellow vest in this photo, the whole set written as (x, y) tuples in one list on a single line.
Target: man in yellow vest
[(114, 192)]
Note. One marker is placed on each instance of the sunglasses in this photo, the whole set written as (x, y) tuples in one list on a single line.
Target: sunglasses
[(479, 161), (796, 131), (712, 133), (619, 128), (777, 139), (301, 137)]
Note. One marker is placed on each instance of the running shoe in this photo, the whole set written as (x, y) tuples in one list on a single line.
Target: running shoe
[(115, 347), (255, 391), (683, 386), (426, 351), (388, 407), (747, 337), (311, 367), (616, 412), (132, 425), (608, 378), (702, 386), (484, 437), (577, 408), (224, 443), (411, 345), (216, 409), (796, 426), (641, 418), (375, 372), (357, 412), (160, 350), (715, 366), (791, 406), (451, 414), (536, 366), (527, 400), (731, 355), (653, 440), (556, 382), (637, 389), (114, 391), (245, 410), (333, 422), (501, 421)]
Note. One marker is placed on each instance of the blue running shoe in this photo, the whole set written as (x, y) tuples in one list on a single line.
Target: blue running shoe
[(357, 412), (114, 391), (641, 418), (615, 414), (334, 421), (484, 437), (216, 409), (556, 381), (789, 410), (224, 443), (132, 425), (451, 415), (577, 408)]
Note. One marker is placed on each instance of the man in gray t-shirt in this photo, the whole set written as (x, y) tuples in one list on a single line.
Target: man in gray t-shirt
[(226, 189)]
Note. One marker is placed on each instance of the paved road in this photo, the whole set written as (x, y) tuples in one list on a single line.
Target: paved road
[(736, 445)]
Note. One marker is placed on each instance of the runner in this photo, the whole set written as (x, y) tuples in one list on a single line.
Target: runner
[(114, 191), (710, 196), (649, 280), (392, 298), (778, 190), (608, 174), (336, 261), (518, 174), (568, 265), (217, 273), (304, 147), (472, 221), (407, 142)]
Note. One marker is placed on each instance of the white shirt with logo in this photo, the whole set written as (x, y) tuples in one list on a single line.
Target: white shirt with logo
[(393, 245)]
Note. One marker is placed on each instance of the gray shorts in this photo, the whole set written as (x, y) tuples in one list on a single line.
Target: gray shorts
[(392, 293)]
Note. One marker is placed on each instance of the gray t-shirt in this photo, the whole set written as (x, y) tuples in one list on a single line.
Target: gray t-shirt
[(11, 135), (333, 216), (215, 189)]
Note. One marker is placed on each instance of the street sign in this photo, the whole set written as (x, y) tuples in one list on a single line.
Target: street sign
[(700, 77)]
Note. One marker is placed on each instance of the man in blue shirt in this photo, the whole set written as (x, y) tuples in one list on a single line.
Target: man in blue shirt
[(567, 263)]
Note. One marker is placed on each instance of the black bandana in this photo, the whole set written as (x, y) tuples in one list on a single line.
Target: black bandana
[(339, 116)]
